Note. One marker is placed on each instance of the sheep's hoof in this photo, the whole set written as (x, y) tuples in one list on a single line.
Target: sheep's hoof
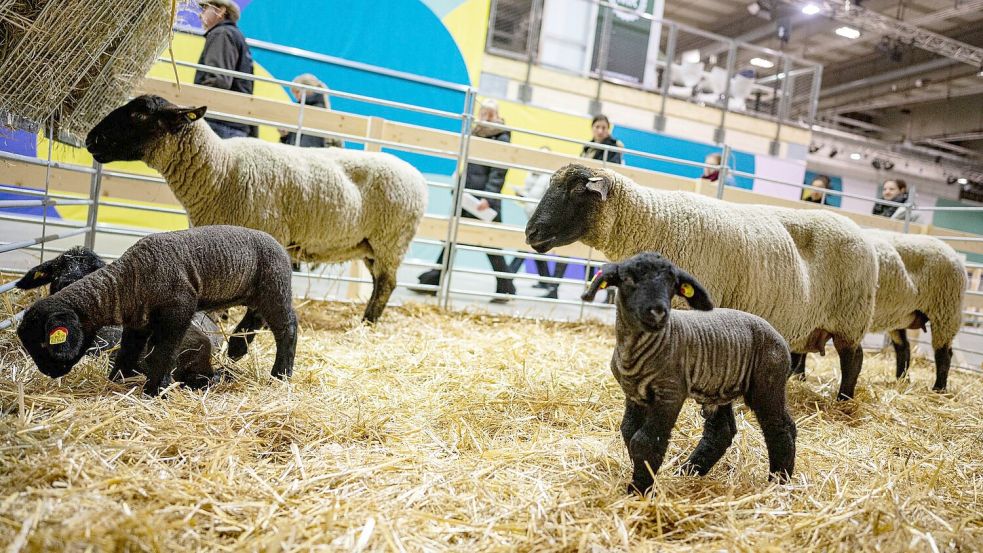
[(238, 347), (282, 373), (638, 488), (939, 390)]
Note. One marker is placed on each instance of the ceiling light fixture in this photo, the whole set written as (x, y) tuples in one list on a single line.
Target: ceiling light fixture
[(962, 180), (761, 62), (848, 32), (855, 156), (810, 9)]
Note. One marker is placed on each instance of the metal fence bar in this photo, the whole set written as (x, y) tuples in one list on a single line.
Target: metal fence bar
[(41, 203), (95, 191), (11, 246), (455, 214)]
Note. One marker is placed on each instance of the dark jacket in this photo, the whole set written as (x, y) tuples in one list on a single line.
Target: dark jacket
[(488, 179), (889, 210), (309, 140), (596, 153), (225, 48)]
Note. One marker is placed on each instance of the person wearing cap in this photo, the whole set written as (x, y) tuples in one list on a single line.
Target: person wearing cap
[(225, 48)]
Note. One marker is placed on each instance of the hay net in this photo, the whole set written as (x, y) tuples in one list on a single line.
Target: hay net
[(75, 60)]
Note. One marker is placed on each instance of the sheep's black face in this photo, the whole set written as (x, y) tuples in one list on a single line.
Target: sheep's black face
[(54, 339), (646, 285), (128, 132), (567, 209), (63, 270)]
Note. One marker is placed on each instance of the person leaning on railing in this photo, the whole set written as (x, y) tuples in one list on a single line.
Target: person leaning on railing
[(225, 48)]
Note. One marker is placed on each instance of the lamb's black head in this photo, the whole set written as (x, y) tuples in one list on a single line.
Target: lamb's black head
[(568, 209), (63, 270), (128, 131), (646, 284), (54, 338)]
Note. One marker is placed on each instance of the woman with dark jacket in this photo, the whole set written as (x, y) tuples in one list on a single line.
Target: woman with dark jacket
[(486, 179), (601, 128), (893, 190), (314, 99), (225, 48)]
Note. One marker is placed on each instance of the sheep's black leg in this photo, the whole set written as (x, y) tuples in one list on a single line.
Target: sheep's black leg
[(719, 429), (633, 419), (851, 361), (283, 323), (768, 405), (943, 358), (647, 447), (798, 368), (127, 362), (383, 284), (169, 327), (243, 334), (902, 351)]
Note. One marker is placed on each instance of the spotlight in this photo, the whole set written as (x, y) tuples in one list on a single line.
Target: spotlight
[(833, 151), (810, 9), (855, 156), (759, 9), (813, 148), (950, 180), (962, 180), (763, 63), (876, 164), (888, 165)]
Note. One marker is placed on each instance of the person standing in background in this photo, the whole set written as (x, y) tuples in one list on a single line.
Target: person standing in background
[(815, 196), (601, 129), (313, 99), (225, 48), (893, 190)]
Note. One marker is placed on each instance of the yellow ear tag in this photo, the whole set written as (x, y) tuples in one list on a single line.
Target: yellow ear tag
[(686, 289), (58, 336), (597, 275), (38, 274), (192, 115)]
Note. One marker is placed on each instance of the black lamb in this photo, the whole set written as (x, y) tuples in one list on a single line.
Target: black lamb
[(712, 355), (194, 367), (154, 289)]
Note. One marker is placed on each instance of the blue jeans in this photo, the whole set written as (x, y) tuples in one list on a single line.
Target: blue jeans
[(227, 130)]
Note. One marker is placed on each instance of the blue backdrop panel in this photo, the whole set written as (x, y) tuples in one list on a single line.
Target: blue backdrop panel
[(648, 141)]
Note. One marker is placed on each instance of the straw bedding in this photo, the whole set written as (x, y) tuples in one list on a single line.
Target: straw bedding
[(456, 431)]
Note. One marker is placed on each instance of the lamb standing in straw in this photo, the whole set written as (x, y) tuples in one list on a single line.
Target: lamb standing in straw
[(154, 290), (808, 273), (713, 355), (324, 205)]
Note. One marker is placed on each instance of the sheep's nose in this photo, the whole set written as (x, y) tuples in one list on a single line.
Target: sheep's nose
[(658, 314)]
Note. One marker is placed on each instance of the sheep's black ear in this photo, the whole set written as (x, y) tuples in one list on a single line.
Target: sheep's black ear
[(174, 117), (692, 291), (63, 335), (607, 276), (601, 185), (37, 276)]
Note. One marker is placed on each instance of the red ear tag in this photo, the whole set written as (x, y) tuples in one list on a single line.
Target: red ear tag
[(58, 335), (686, 290), (597, 275)]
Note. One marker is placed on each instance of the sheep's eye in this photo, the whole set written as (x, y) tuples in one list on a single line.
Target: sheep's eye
[(141, 117), (628, 281)]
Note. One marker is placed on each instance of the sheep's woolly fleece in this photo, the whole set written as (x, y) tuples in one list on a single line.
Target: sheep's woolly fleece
[(325, 201), (918, 273), (798, 269), (440, 431)]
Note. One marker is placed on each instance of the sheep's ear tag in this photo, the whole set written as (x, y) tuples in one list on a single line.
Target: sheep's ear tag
[(597, 275), (686, 290), (599, 185), (38, 274), (58, 336), (191, 116)]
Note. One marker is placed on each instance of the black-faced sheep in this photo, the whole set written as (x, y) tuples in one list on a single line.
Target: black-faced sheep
[(154, 289), (194, 367), (323, 204), (921, 280), (807, 272), (712, 355)]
